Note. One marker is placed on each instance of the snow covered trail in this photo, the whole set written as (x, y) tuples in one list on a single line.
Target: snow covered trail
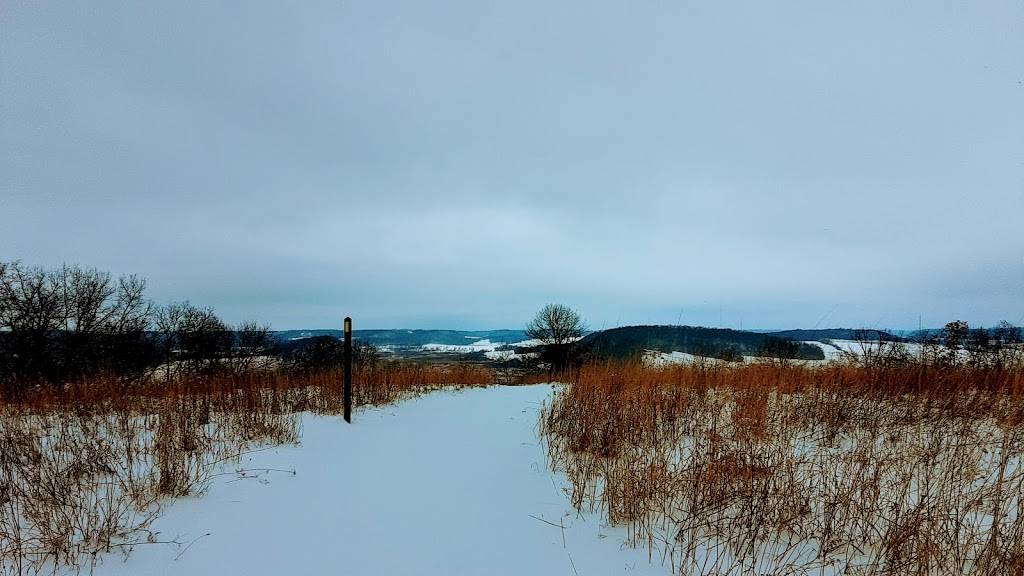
[(445, 484)]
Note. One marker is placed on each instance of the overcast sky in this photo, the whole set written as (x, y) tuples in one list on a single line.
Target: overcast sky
[(458, 164)]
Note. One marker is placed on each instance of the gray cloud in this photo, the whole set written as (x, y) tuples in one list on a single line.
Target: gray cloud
[(458, 164)]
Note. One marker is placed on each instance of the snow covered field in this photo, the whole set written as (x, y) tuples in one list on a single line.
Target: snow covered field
[(836, 350), (449, 483), (484, 345), (489, 348)]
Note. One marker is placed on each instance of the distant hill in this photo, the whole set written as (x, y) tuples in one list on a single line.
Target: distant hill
[(836, 334), (618, 342), (713, 342), (412, 338)]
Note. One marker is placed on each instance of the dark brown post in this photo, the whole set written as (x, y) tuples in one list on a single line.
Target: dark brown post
[(348, 370)]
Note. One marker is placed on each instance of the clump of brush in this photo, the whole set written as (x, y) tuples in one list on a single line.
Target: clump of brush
[(85, 467), (783, 468)]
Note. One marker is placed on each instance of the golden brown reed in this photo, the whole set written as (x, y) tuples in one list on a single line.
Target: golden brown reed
[(800, 469), (85, 467), (318, 391)]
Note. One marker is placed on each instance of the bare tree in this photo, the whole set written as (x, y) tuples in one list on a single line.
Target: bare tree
[(1007, 334), (168, 321), (193, 340), (203, 340), (85, 295), (105, 323), (955, 334), (130, 311), (556, 325), (30, 300), (70, 322), (252, 341), (955, 337), (31, 309), (782, 350)]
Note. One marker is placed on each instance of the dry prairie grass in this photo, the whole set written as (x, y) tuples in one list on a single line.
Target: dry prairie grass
[(85, 468), (791, 469)]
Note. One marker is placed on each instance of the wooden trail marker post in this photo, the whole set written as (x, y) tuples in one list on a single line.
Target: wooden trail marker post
[(348, 370)]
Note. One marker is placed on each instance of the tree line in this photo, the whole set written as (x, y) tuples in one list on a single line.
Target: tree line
[(72, 323)]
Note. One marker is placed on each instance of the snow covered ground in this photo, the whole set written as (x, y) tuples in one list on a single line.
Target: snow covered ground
[(450, 483), (489, 348), (656, 358), (502, 355), (484, 345), (661, 359)]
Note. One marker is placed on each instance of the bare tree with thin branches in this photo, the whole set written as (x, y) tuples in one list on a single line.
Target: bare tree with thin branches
[(556, 325)]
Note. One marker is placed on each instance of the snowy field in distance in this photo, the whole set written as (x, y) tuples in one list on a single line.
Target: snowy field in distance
[(489, 348), (837, 350), (450, 483), (484, 345)]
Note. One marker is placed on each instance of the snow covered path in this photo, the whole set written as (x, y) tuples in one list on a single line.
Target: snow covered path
[(445, 484)]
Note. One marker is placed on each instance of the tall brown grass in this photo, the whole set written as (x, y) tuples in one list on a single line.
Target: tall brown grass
[(800, 469), (85, 468)]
